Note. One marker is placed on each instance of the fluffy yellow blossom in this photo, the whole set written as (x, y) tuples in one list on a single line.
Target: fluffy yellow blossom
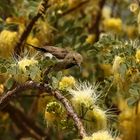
[(107, 69), (116, 64), (137, 55), (134, 7), (66, 82), (91, 38), (106, 12), (87, 138), (50, 117), (21, 78), (113, 24), (53, 112), (97, 119), (42, 102), (33, 41), (1, 89), (23, 63), (84, 94), (20, 21), (8, 40), (44, 30), (100, 135)]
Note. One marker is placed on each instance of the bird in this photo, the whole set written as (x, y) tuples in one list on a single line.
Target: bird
[(59, 53), (68, 58)]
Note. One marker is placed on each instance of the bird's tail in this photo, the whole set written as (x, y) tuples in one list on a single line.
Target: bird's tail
[(37, 48)]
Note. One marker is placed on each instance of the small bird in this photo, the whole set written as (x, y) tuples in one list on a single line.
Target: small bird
[(69, 58), (59, 53)]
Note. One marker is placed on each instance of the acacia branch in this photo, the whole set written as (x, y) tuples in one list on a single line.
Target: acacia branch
[(7, 97), (71, 112), (94, 29), (19, 45)]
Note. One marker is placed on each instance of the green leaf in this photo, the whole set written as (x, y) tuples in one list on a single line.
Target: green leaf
[(133, 92), (9, 83), (131, 101), (55, 82), (3, 70)]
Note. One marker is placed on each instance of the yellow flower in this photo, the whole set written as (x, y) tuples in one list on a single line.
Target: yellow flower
[(42, 102), (45, 32), (137, 55), (50, 117), (1, 89), (106, 12), (113, 24), (100, 135), (97, 119), (21, 78), (107, 69), (88, 138), (22, 64), (33, 41), (8, 40), (134, 7), (91, 38), (53, 112), (84, 93), (66, 82), (116, 65)]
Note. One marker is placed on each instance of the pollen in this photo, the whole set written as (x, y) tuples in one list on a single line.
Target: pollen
[(26, 62)]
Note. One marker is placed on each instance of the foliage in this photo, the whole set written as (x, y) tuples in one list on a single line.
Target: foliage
[(104, 89)]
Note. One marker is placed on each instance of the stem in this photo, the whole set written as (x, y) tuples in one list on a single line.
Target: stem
[(94, 29)]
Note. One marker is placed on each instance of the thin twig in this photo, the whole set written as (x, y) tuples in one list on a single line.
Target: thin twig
[(7, 97), (42, 95), (94, 29)]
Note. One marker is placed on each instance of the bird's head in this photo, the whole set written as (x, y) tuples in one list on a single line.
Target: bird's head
[(74, 58)]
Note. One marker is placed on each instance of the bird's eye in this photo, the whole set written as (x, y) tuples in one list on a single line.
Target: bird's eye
[(74, 59)]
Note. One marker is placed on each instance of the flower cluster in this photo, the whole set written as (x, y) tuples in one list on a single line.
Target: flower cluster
[(84, 93), (25, 62), (113, 24), (85, 100), (66, 83), (8, 40)]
